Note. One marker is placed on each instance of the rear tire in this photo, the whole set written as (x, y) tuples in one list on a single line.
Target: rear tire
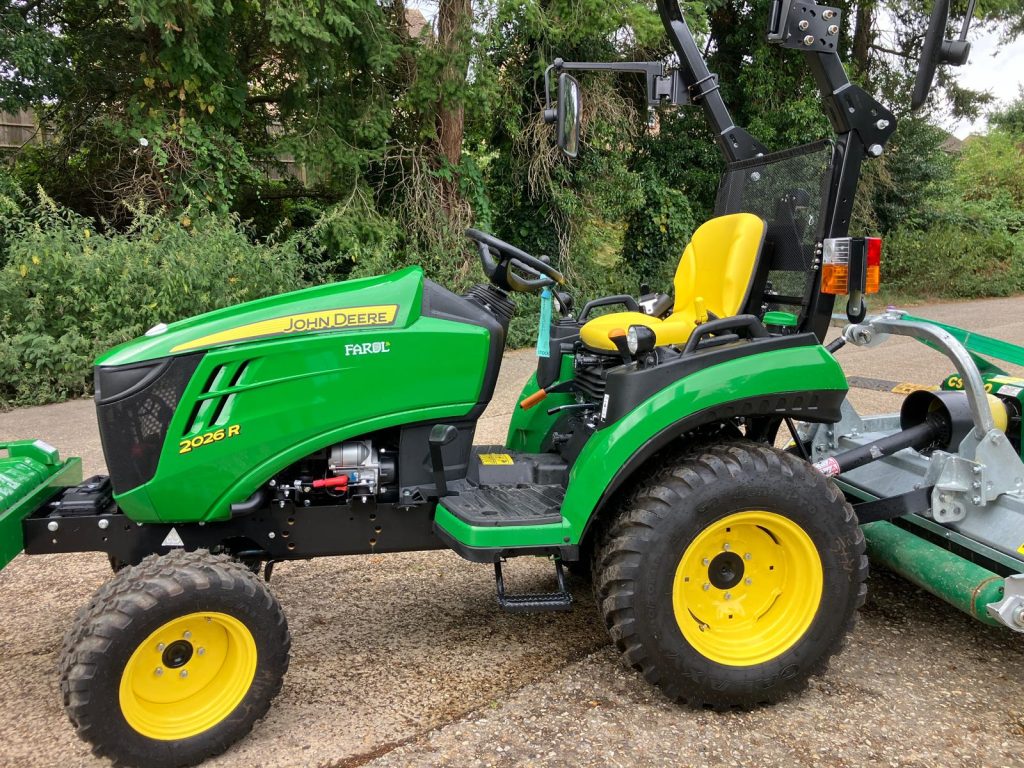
[(173, 660), (732, 576)]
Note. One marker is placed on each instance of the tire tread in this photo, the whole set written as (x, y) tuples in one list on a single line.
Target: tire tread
[(619, 555)]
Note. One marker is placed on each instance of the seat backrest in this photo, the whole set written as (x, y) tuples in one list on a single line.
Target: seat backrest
[(719, 264)]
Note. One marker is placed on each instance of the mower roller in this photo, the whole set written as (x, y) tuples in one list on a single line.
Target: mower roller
[(340, 419)]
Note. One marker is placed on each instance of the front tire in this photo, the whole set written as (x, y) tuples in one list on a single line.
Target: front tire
[(173, 660), (732, 576)]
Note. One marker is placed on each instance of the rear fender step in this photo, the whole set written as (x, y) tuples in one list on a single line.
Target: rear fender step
[(538, 602)]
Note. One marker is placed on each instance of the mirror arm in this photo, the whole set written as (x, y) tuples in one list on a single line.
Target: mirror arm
[(549, 113), (663, 85), (967, 21)]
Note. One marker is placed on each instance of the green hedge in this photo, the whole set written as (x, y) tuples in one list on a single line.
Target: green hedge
[(945, 261), (67, 292)]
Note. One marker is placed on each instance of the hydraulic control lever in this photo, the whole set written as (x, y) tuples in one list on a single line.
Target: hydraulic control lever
[(552, 389), (572, 407)]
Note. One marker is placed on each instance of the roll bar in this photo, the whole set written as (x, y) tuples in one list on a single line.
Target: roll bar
[(862, 124)]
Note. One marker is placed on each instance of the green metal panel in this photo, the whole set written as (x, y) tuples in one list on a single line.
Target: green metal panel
[(280, 398), (529, 430), (959, 582), (787, 370), (494, 536), (30, 473)]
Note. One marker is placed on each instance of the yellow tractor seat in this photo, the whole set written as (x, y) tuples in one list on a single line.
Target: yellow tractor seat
[(714, 275)]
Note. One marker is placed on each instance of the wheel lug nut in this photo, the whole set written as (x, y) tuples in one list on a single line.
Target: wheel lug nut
[(707, 586), (158, 671), (728, 596), (746, 556), (748, 581), (184, 673), (160, 646), (187, 635), (726, 546), (200, 651), (705, 561)]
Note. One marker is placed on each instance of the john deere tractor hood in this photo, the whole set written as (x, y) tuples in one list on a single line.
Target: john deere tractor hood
[(386, 301)]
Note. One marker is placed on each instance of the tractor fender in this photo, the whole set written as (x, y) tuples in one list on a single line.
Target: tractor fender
[(805, 382)]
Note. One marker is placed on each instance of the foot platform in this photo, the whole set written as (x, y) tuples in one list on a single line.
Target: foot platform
[(508, 505)]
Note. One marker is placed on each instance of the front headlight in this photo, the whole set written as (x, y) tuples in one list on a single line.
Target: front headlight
[(640, 339)]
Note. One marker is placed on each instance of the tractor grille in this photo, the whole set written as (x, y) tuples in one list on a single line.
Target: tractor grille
[(789, 190), (134, 408)]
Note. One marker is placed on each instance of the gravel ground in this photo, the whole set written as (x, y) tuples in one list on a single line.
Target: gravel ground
[(405, 660)]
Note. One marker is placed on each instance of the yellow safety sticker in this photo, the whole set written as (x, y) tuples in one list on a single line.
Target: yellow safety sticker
[(1021, 549), (907, 387), (326, 320), (1014, 380), (496, 458)]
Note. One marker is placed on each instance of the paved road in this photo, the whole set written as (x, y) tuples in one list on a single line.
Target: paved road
[(404, 660)]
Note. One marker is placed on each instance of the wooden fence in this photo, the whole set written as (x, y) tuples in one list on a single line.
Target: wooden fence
[(17, 130)]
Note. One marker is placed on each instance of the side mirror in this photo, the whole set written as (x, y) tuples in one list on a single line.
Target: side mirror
[(568, 114), (937, 50)]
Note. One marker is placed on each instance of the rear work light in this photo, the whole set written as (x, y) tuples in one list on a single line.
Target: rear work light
[(851, 265)]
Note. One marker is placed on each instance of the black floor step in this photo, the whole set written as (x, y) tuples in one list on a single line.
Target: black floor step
[(508, 505), (538, 602)]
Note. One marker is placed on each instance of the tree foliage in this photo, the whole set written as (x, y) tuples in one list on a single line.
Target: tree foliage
[(184, 102), (189, 109)]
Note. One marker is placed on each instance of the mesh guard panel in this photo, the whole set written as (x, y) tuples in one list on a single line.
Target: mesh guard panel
[(789, 190), (133, 427)]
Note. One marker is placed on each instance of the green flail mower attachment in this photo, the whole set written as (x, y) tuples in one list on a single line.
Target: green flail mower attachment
[(31, 473), (941, 484)]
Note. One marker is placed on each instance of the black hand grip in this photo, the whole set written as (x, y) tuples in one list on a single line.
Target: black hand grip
[(628, 301), (498, 245), (440, 436), (490, 264), (748, 323), (511, 252), (525, 284)]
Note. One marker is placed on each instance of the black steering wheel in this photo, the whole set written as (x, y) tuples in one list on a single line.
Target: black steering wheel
[(931, 51), (512, 269)]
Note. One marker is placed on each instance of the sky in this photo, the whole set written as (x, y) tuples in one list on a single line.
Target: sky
[(992, 67)]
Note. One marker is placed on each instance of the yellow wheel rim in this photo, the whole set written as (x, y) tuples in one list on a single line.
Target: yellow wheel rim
[(747, 588), (188, 676)]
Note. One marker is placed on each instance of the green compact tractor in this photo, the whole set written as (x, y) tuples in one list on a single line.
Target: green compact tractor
[(339, 420)]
